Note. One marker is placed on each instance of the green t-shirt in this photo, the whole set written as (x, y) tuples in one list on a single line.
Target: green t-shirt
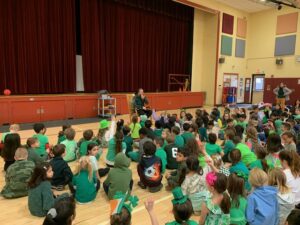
[(135, 128), (186, 136), (160, 152), (228, 146), (237, 214), (71, 147), (158, 132), (212, 149), (179, 142), (248, 156), (83, 147), (171, 151), (244, 124), (43, 140)]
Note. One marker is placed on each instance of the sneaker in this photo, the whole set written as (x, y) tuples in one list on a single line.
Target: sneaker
[(155, 189), (58, 188), (141, 185)]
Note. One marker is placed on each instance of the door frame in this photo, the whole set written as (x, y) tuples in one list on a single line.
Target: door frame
[(252, 83), (250, 90)]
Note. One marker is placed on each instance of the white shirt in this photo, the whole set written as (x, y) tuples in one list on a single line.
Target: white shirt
[(293, 183)]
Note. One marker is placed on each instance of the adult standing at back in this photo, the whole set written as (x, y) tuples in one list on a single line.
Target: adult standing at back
[(141, 102), (282, 94)]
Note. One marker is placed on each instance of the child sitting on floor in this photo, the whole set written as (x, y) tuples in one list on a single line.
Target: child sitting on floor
[(186, 135), (261, 161), (40, 196), (127, 139), (274, 147), (285, 196), (115, 146), (70, 144), (211, 147), (13, 129), (119, 178), (106, 131), (92, 151), (171, 150), (248, 156), (135, 126), (179, 141), (149, 169), (237, 193), (61, 134), (62, 174), (32, 144), (83, 143), (289, 141), (18, 175), (160, 152), (62, 213), (85, 182), (262, 205), (158, 128), (216, 208), (193, 185), (182, 209), (40, 130), (175, 178), (239, 167)]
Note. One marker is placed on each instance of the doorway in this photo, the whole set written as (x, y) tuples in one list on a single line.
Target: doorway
[(257, 92), (247, 92)]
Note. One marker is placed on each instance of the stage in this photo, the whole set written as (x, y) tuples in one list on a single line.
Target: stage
[(40, 108)]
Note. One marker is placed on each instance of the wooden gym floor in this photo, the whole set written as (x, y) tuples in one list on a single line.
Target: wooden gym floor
[(15, 211)]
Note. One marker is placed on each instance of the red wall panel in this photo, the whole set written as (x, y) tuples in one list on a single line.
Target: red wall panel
[(36, 108), (291, 83)]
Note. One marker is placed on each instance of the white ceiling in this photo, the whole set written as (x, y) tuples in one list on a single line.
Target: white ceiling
[(249, 6)]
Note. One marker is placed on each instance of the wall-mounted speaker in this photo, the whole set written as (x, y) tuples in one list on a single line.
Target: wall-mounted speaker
[(279, 61), (222, 60)]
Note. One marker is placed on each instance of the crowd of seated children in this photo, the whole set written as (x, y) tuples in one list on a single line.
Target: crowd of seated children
[(252, 178)]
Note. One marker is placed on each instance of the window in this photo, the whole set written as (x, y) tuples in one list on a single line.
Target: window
[(259, 83)]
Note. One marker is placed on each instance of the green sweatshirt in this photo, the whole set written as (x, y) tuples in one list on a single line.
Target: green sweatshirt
[(120, 176), (41, 199)]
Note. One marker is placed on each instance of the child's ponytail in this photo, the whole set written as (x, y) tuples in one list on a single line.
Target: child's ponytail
[(119, 139), (225, 203)]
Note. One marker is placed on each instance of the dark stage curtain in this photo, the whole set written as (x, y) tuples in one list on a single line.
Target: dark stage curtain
[(37, 46), (127, 44)]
